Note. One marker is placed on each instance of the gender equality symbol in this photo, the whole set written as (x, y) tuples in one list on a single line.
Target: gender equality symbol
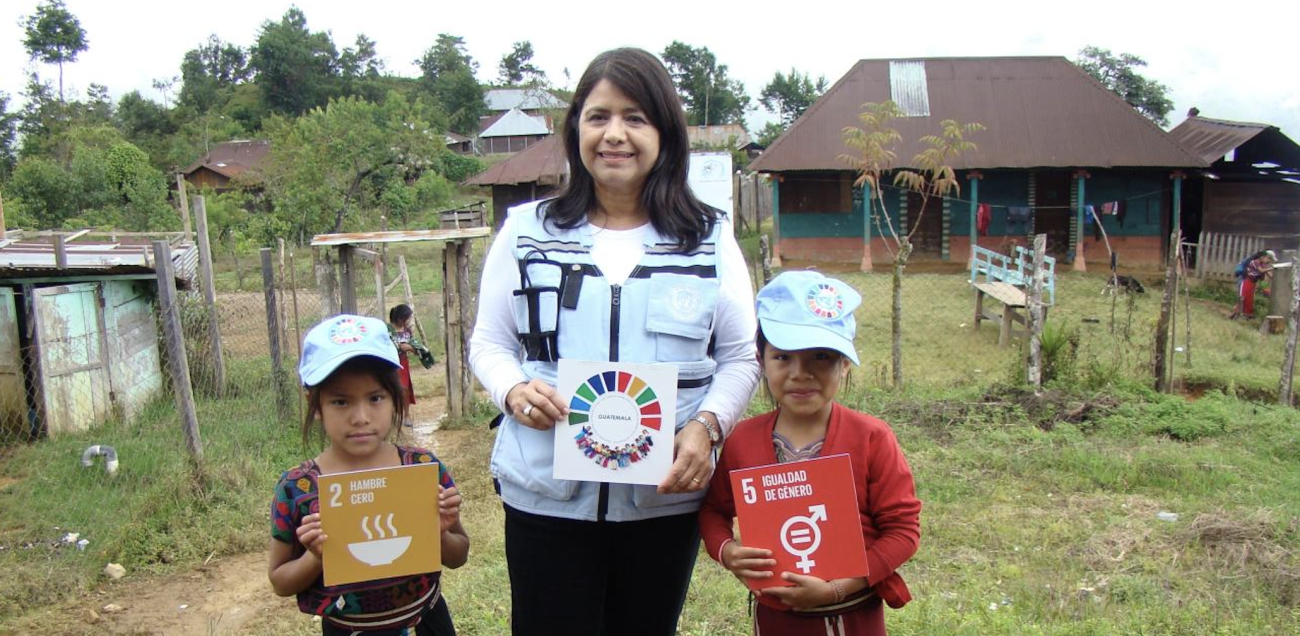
[(803, 531)]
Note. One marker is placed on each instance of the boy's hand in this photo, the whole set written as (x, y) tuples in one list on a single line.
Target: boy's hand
[(310, 535), (747, 563), (448, 507), (808, 591)]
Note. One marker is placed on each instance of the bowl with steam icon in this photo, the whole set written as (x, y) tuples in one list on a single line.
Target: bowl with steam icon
[(383, 550)]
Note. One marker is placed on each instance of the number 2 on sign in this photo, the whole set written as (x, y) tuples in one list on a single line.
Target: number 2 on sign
[(336, 491), (747, 487)]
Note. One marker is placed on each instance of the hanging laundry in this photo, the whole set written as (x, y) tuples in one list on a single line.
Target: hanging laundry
[(1018, 219), (1121, 208), (983, 217)]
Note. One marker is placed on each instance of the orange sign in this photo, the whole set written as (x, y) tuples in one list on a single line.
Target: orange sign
[(806, 513), (381, 523)]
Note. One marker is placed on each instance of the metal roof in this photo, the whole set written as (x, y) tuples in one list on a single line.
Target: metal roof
[(231, 158), (1211, 139), (35, 255), (517, 122), (1037, 112), (542, 162), (522, 98)]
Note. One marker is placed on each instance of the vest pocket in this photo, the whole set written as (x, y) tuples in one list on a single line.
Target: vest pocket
[(537, 310), (525, 457), (680, 316)]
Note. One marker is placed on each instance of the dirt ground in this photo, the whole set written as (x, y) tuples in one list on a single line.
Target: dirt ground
[(229, 595)]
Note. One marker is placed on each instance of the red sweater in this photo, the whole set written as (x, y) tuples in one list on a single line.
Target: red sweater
[(887, 500)]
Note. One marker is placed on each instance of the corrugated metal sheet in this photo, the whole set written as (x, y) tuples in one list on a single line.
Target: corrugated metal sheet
[(517, 122), (523, 98), (908, 88), (1037, 111), (132, 254), (1211, 139), (541, 163)]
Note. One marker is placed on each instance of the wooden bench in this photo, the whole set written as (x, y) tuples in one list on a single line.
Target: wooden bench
[(1005, 280), (1013, 300)]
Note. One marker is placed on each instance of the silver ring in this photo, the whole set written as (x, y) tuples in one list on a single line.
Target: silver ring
[(695, 479), (527, 410)]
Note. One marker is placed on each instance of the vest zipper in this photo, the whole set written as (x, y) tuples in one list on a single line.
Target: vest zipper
[(616, 293)]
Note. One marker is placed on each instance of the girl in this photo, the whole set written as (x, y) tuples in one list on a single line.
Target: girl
[(805, 344), (350, 369), (400, 318), (1254, 269)]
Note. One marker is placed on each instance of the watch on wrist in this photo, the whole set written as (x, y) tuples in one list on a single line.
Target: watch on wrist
[(715, 434)]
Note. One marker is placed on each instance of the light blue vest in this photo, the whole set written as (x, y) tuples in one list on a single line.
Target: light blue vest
[(662, 313)]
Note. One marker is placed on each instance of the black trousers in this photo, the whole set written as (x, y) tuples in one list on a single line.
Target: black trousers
[(598, 578)]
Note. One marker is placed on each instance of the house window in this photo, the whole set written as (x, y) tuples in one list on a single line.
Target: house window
[(824, 192)]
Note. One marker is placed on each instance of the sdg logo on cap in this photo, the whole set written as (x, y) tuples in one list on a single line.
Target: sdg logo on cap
[(825, 302), (347, 331)]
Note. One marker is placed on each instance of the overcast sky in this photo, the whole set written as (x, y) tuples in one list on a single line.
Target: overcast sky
[(1232, 64)]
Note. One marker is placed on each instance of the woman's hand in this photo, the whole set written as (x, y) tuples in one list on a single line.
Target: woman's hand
[(747, 563), (310, 535), (449, 501), (536, 404), (807, 591), (692, 463)]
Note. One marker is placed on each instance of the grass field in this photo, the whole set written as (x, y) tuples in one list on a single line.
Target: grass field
[(1041, 511)]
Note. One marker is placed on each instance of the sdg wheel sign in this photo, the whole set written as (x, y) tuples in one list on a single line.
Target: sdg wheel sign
[(806, 513)]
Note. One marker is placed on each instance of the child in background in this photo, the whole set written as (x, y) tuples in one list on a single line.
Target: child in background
[(400, 330), (1252, 270), (805, 345), (350, 369)]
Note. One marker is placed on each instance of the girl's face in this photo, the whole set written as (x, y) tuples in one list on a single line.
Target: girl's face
[(357, 413), (617, 143), (804, 382)]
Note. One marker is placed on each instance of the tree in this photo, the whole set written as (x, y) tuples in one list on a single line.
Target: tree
[(54, 36), (788, 96), (296, 70), (447, 71), (1119, 74), (769, 132), (517, 67), (331, 162), (709, 95), (210, 69), (929, 175), (8, 137)]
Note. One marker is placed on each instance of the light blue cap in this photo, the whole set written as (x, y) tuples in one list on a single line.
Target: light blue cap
[(806, 310), (339, 339)]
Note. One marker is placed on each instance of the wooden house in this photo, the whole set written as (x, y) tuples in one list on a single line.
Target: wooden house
[(514, 131), (532, 174), (1055, 142), (79, 341), (227, 161)]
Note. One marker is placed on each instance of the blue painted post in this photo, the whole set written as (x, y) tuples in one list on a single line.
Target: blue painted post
[(1080, 265), (776, 221), (866, 228), (1178, 201)]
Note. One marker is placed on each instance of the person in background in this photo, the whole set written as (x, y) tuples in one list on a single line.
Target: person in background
[(400, 319), (1253, 269)]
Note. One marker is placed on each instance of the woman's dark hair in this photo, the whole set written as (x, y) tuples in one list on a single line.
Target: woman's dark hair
[(674, 211), (384, 373), (400, 313)]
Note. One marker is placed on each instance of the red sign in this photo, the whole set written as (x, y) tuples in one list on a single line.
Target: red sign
[(806, 513)]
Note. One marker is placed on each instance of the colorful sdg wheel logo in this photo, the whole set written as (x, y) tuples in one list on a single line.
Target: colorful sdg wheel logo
[(615, 412), (824, 301)]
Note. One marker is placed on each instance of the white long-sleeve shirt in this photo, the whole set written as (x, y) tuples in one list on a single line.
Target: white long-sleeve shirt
[(495, 351)]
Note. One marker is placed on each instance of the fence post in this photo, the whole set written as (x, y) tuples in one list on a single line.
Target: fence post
[(765, 257), (410, 298), (1159, 368), (347, 282), (185, 204), (210, 294), (273, 333), (1036, 314), (179, 365), (464, 291), (451, 334), (325, 281), (1293, 317)]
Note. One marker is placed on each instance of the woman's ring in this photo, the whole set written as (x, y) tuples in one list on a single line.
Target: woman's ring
[(695, 479), (528, 410)]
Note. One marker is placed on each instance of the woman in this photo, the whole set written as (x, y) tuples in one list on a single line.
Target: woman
[(624, 265), (1253, 269)]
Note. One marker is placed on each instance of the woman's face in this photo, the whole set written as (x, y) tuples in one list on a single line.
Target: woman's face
[(617, 142)]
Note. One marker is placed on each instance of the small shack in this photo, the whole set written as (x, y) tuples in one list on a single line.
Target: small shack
[(79, 340), (532, 174)]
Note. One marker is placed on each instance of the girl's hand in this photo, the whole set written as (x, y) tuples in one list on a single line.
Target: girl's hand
[(747, 563), (536, 404), (692, 462), (310, 535), (406, 348), (448, 507), (808, 591)]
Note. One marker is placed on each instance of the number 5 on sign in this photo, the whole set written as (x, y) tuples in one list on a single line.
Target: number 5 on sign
[(806, 513), (380, 523)]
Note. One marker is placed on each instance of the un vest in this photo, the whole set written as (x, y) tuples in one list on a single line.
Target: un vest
[(565, 308)]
